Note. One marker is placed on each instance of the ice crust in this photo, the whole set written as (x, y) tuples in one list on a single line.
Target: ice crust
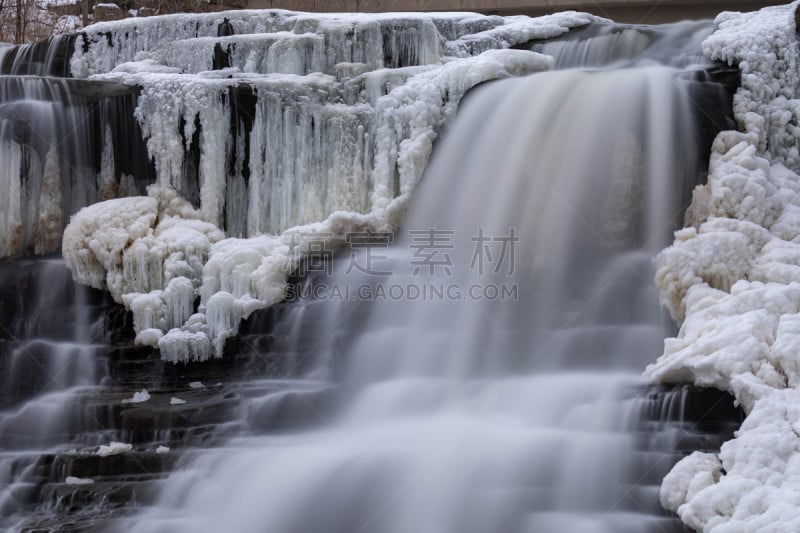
[(732, 281)]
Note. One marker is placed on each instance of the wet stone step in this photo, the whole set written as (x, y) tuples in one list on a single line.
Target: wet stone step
[(92, 466), (65, 499)]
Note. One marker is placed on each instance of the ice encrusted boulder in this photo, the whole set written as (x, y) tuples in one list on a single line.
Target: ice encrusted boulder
[(732, 281), (297, 126)]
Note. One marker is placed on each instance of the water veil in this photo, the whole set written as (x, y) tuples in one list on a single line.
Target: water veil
[(484, 379)]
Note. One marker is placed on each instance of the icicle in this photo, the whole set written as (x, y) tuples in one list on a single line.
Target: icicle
[(107, 183), (334, 118), (10, 208), (47, 233)]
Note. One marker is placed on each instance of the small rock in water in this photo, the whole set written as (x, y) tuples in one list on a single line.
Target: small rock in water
[(138, 397), (78, 481), (162, 449), (197, 385), (114, 448), (176, 401)]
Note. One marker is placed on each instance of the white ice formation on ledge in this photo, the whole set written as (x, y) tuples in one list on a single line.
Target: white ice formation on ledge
[(732, 280), (310, 125)]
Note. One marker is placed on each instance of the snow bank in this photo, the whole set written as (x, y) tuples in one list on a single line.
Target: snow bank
[(334, 137), (732, 281)]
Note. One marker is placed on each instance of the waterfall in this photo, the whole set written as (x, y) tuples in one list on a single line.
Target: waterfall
[(476, 369), (477, 414), (53, 347), (52, 135), (678, 45), (46, 58)]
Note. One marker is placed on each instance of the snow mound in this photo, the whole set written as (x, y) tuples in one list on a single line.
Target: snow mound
[(732, 281)]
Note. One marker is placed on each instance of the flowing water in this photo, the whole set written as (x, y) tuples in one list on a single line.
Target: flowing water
[(57, 153), (53, 358), (465, 413), (485, 379)]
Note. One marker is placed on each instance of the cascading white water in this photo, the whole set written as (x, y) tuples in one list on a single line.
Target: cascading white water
[(49, 359), (44, 154), (678, 45), (463, 412)]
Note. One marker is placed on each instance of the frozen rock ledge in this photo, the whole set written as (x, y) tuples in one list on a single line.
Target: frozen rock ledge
[(732, 281), (341, 130)]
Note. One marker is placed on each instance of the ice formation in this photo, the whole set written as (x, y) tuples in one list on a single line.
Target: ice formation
[(732, 280), (113, 448), (138, 397), (296, 128), (71, 480)]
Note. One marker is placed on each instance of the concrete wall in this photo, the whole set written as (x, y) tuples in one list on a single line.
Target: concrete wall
[(633, 11)]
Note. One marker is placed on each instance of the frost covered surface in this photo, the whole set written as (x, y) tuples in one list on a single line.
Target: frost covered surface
[(732, 280), (309, 127)]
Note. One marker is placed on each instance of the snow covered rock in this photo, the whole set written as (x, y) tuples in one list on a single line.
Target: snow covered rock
[(690, 476), (149, 252), (732, 281)]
